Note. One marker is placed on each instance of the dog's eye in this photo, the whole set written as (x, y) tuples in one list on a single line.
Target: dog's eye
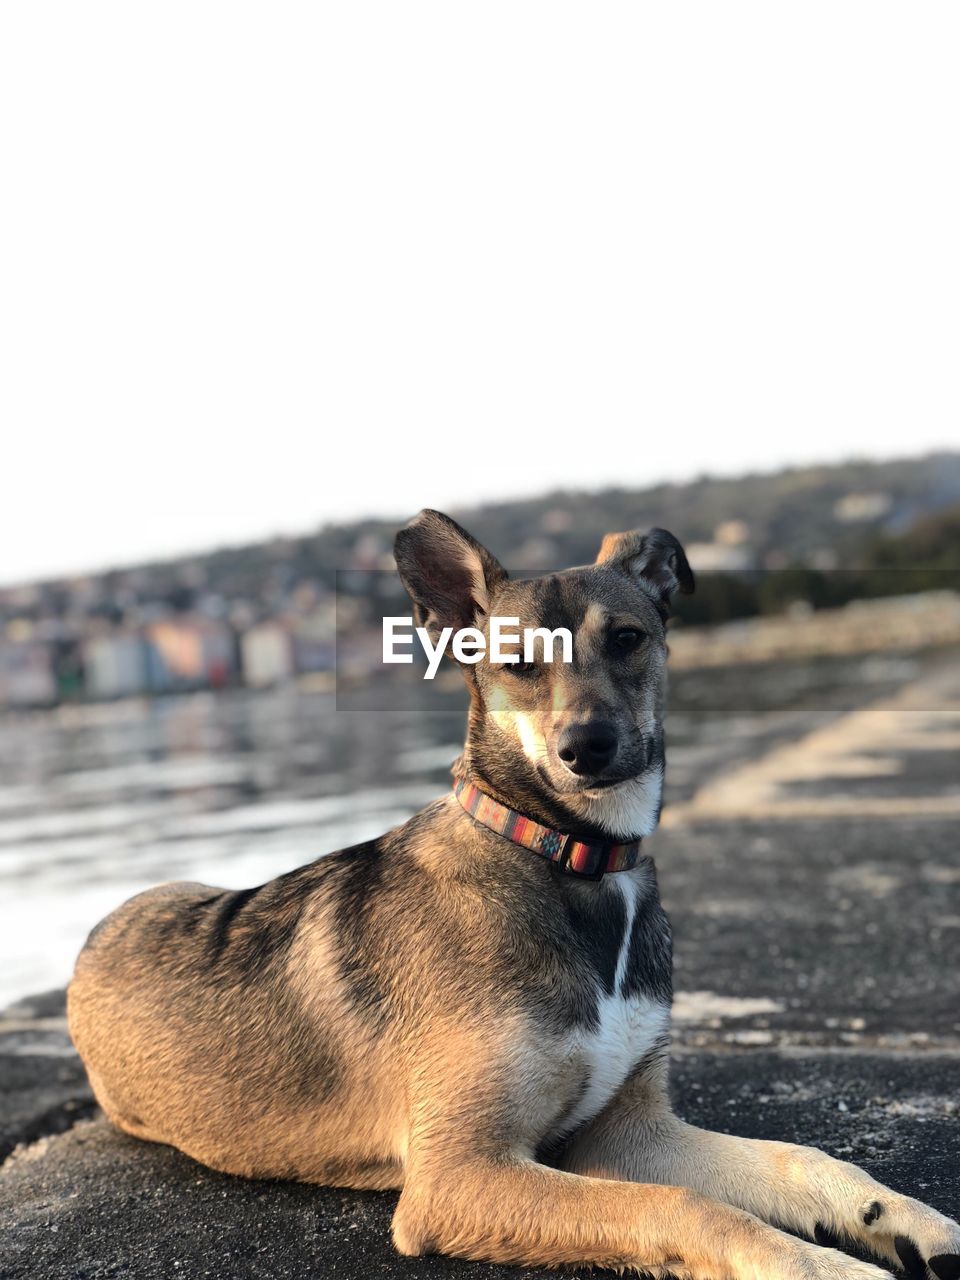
[(626, 639), (521, 668)]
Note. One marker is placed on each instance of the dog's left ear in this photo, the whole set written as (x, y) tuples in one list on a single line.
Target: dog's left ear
[(656, 559)]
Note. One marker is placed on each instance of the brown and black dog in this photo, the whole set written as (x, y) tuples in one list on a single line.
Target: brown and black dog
[(443, 1011)]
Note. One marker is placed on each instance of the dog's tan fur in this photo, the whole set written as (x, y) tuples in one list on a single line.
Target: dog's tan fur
[(430, 1011)]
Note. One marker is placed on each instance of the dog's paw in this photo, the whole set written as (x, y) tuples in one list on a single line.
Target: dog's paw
[(912, 1236)]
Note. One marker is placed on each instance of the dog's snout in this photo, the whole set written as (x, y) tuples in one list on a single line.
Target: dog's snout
[(588, 748)]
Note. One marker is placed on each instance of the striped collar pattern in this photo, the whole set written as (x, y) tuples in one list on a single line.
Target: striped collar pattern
[(576, 857)]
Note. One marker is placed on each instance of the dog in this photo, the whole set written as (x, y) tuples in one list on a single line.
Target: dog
[(474, 1009)]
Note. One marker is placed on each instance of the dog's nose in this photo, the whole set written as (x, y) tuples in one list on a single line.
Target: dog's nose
[(587, 748)]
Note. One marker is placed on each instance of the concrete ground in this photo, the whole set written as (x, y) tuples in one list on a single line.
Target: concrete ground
[(810, 864)]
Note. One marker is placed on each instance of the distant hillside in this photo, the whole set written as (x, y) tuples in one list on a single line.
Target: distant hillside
[(811, 520), (794, 516)]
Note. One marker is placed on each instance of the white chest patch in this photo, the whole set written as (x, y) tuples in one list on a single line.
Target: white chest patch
[(628, 1028)]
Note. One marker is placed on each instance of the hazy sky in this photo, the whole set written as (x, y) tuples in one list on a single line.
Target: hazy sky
[(262, 266)]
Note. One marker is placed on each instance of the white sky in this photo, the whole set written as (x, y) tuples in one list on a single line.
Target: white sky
[(266, 265)]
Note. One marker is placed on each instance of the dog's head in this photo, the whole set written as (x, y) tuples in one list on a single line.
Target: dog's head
[(576, 744)]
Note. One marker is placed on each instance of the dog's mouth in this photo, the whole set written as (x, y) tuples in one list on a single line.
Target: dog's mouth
[(590, 787), (604, 784)]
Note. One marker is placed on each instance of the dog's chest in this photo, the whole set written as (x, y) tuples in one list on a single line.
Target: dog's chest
[(630, 1021)]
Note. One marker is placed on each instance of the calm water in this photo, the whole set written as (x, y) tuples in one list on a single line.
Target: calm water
[(97, 803)]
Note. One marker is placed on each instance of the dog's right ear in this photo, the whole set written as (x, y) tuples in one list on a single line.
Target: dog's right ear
[(448, 575), (654, 559)]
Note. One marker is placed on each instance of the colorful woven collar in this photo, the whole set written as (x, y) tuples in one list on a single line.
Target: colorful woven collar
[(576, 857)]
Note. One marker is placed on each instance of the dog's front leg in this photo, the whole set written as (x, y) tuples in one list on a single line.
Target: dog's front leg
[(797, 1187), (472, 1188), (513, 1210)]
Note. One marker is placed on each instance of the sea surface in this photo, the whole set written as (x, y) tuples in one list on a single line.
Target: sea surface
[(99, 802)]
